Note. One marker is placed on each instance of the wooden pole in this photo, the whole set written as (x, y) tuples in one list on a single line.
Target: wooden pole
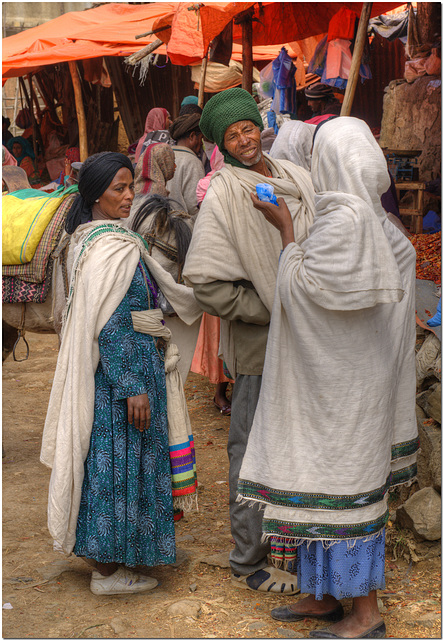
[(138, 55), (31, 113), (247, 60), (356, 59), (79, 109), (201, 87), (151, 33)]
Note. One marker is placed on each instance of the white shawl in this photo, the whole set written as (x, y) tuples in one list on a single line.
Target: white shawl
[(294, 143), (232, 241), (100, 278), (336, 413)]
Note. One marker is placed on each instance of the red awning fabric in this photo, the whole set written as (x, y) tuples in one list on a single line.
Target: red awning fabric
[(275, 22), (110, 30)]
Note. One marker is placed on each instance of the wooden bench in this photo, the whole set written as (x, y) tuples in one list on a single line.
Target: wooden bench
[(417, 210)]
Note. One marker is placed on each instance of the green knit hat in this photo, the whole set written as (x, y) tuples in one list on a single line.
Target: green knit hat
[(224, 109)]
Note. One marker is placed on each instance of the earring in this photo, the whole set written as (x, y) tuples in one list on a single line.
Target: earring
[(97, 200)]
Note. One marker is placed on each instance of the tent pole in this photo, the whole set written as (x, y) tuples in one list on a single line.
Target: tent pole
[(80, 111), (146, 51), (356, 59), (201, 86), (247, 60)]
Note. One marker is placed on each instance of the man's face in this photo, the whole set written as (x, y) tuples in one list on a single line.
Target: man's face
[(316, 105), (196, 140), (242, 141)]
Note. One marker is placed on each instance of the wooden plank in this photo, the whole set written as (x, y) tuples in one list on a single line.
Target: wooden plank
[(360, 40), (80, 110)]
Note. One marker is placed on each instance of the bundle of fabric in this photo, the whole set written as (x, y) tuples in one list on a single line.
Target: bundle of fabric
[(294, 143), (17, 290), (35, 271)]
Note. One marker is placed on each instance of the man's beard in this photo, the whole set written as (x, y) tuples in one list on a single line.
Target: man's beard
[(253, 161)]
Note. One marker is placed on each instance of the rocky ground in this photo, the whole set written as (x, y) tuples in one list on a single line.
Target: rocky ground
[(47, 595)]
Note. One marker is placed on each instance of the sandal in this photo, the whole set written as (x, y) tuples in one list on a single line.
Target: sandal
[(224, 409)]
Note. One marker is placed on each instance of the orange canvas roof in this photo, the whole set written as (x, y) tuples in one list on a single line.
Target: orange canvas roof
[(110, 30)]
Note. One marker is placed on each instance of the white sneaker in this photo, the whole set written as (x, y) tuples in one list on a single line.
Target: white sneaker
[(123, 581)]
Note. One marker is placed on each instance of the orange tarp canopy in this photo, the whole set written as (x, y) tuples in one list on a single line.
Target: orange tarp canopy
[(275, 22), (110, 30)]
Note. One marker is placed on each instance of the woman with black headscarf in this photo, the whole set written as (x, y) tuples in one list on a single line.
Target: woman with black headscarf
[(106, 431)]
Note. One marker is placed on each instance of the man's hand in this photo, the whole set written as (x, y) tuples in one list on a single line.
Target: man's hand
[(279, 216), (139, 412)]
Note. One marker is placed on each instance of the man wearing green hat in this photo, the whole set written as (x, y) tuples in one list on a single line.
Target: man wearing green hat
[(232, 265)]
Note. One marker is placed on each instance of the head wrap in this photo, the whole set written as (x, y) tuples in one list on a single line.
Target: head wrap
[(95, 176), (158, 167), (319, 91), (294, 143), (222, 110), (155, 121), (27, 149), (189, 100), (8, 158), (184, 125), (190, 108)]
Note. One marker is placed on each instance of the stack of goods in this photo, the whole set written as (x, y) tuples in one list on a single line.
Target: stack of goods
[(428, 249)]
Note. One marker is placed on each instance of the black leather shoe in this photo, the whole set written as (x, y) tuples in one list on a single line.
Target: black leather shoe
[(285, 614), (378, 631)]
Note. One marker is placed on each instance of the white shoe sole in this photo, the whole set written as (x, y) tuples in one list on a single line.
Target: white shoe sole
[(124, 592)]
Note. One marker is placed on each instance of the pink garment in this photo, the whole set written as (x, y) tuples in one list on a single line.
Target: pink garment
[(217, 162), (155, 121), (8, 158), (318, 119)]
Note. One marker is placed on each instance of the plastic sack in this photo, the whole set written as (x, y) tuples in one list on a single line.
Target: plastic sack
[(25, 216), (267, 85), (435, 321), (265, 192)]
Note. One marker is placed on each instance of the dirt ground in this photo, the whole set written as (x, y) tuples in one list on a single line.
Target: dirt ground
[(47, 595)]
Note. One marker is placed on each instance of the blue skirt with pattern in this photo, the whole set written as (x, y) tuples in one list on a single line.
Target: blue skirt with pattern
[(342, 571)]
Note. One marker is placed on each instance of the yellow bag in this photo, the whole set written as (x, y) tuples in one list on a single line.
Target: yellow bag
[(25, 215)]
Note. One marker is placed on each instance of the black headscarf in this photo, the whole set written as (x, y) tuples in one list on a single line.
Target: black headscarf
[(94, 178)]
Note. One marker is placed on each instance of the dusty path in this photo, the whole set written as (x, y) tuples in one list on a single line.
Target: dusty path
[(50, 594)]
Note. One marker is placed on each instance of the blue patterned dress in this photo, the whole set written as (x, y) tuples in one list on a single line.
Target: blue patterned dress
[(126, 512)]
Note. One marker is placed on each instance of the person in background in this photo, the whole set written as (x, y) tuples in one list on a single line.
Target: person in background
[(206, 361), (8, 158), (207, 148), (189, 100), (322, 101), (189, 169), (157, 124), (338, 390), (24, 154), (6, 134), (153, 170), (232, 265)]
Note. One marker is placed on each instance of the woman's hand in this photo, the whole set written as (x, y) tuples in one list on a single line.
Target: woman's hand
[(139, 412), (279, 216)]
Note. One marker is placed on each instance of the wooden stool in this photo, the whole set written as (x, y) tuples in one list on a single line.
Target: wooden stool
[(417, 210)]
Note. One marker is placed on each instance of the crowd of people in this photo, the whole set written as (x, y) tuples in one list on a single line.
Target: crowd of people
[(305, 306)]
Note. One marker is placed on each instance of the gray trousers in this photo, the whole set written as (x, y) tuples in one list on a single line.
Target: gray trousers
[(250, 553)]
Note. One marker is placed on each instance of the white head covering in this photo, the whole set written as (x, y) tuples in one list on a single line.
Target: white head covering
[(294, 142), (347, 158)]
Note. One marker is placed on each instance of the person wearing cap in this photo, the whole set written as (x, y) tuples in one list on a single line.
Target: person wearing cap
[(189, 168), (322, 101), (232, 265)]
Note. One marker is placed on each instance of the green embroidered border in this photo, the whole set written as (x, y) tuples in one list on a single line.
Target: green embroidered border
[(404, 449), (404, 475), (324, 531), (295, 499)]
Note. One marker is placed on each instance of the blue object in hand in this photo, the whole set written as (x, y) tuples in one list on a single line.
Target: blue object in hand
[(265, 193), (435, 321)]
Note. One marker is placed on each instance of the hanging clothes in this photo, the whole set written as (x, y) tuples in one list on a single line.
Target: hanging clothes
[(285, 94)]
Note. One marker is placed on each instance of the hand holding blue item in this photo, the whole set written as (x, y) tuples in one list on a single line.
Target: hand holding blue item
[(265, 193), (435, 321)]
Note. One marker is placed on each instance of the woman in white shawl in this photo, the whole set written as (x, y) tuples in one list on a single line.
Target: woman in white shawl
[(106, 431), (335, 425), (294, 143)]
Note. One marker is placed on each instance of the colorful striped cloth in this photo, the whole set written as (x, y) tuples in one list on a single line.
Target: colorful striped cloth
[(183, 469), (35, 270)]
